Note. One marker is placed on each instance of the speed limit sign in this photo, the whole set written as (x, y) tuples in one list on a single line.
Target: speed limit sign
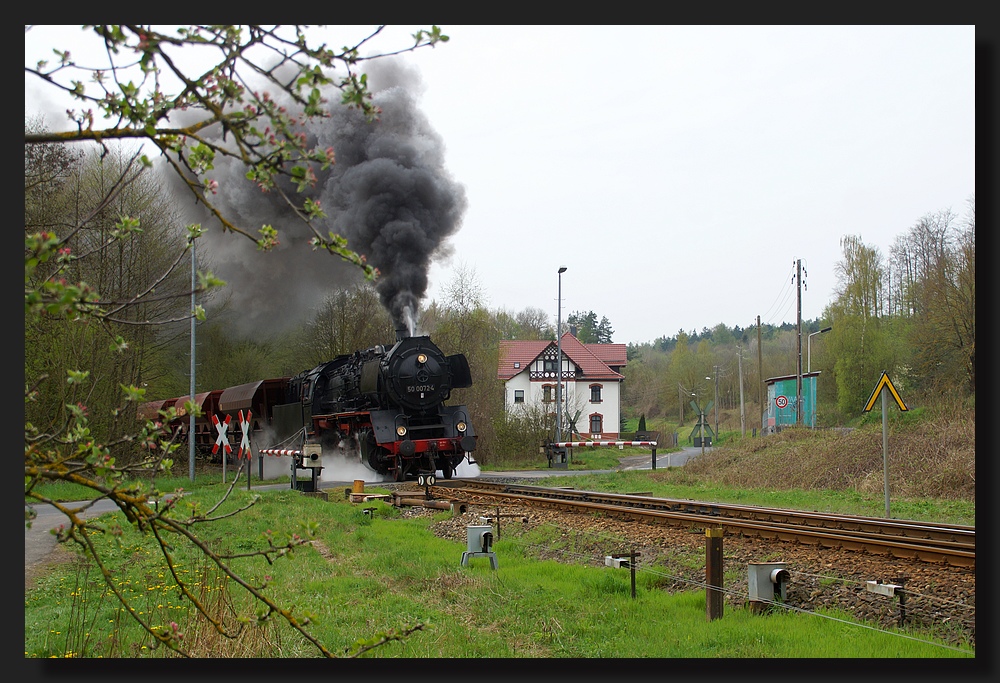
[(781, 401)]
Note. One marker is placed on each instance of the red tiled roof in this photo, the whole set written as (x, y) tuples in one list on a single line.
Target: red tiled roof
[(612, 354), (518, 351), (590, 365), (584, 356)]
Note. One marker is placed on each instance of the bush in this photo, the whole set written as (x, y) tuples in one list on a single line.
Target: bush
[(519, 435)]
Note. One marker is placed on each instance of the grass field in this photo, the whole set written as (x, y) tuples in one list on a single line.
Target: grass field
[(364, 579), (365, 576)]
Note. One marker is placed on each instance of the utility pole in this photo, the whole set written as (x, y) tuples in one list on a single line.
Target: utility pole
[(680, 401), (798, 317), (743, 415), (760, 377), (716, 369), (191, 435)]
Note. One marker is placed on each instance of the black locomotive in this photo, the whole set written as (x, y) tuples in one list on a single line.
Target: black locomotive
[(386, 405), (390, 404)]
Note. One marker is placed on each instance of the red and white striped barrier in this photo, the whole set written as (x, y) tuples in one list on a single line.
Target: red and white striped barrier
[(574, 444), (279, 451)]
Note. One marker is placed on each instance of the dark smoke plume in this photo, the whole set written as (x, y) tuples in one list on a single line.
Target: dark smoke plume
[(388, 193)]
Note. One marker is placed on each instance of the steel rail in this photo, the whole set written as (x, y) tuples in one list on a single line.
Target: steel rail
[(961, 535), (792, 525)]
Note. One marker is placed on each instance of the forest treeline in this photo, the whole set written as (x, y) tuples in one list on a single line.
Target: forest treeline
[(910, 312)]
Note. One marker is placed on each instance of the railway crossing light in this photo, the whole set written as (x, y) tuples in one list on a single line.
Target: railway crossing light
[(312, 456), (311, 459)]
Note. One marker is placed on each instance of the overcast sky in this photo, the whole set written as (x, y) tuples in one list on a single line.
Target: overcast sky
[(679, 172)]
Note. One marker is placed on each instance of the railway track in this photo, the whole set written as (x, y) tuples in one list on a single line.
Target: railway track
[(937, 543)]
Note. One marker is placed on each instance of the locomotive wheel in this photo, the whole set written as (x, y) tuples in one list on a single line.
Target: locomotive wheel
[(369, 452)]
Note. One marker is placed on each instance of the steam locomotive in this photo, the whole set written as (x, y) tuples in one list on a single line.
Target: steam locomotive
[(392, 403), (387, 405)]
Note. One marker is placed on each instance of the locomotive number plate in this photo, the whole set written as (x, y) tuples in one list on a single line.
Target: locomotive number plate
[(420, 387)]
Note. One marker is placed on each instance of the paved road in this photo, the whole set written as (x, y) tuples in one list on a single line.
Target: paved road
[(629, 462), (39, 542)]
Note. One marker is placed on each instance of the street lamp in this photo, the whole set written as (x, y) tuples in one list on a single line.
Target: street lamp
[(809, 357), (809, 341), (562, 269)]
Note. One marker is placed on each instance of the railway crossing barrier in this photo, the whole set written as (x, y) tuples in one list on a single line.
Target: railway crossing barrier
[(308, 458), (557, 451)]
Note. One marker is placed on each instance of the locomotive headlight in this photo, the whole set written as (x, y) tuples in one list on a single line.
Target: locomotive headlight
[(401, 430), (421, 358), (461, 426)]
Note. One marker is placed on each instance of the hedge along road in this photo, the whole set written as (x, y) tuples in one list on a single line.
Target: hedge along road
[(39, 542)]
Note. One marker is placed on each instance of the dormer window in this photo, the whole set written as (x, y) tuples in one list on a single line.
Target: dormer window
[(517, 364)]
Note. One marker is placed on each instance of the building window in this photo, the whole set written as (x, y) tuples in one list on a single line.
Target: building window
[(549, 365), (519, 396), (595, 424), (595, 393), (547, 393), (516, 364)]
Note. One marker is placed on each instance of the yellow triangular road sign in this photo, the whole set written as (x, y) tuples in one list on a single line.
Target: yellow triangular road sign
[(884, 381)]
